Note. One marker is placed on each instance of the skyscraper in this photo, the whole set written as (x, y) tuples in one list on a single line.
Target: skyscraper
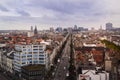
[(75, 27), (109, 26)]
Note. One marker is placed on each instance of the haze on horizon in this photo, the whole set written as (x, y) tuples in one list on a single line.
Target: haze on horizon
[(21, 14)]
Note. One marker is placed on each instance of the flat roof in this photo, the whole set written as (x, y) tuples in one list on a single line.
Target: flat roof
[(34, 67)]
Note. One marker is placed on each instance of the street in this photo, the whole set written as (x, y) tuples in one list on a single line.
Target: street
[(62, 68), (2, 77)]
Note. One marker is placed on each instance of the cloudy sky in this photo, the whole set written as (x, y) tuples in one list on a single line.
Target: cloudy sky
[(21, 14)]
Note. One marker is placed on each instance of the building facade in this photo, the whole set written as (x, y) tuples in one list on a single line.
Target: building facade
[(30, 54), (6, 60), (33, 72), (109, 26)]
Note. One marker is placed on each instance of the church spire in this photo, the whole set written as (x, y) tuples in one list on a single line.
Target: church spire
[(35, 30)]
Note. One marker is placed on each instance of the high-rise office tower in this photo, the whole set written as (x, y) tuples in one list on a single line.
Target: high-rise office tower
[(109, 26), (75, 27)]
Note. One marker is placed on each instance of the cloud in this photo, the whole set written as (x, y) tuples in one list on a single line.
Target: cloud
[(22, 12), (64, 12), (2, 8), (66, 7)]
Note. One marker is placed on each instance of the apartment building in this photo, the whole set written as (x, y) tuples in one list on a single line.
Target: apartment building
[(6, 60), (30, 54), (115, 39), (93, 75)]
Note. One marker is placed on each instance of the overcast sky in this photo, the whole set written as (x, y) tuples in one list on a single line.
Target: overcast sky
[(21, 14)]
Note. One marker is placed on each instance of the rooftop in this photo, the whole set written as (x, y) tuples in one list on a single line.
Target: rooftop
[(34, 67)]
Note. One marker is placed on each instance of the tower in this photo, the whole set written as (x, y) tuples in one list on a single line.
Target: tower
[(109, 26), (31, 28), (35, 31), (75, 27)]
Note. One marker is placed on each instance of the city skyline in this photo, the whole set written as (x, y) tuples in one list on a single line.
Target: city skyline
[(21, 14)]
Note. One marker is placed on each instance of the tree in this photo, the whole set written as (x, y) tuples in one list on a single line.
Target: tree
[(79, 70)]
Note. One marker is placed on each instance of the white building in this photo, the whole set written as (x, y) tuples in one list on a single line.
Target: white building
[(2, 45), (30, 34), (6, 60), (30, 54), (10, 59), (53, 54), (3, 62), (91, 75), (89, 45)]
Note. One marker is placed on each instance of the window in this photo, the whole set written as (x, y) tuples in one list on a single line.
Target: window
[(35, 49), (23, 62), (24, 49), (41, 58), (30, 62), (23, 56), (29, 59), (35, 62), (41, 55), (41, 62), (29, 55)]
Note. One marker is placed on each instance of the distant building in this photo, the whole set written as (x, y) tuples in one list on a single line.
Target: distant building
[(70, 29), (108, 65), (51, 29), (35, 31), (89, 45), (59, 29), (30, 34), (31, 28), (65, 30), (100, 28), (80, 28), (109, 26), (115, 39), (92, 28), (75, 27), (116, 29)]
